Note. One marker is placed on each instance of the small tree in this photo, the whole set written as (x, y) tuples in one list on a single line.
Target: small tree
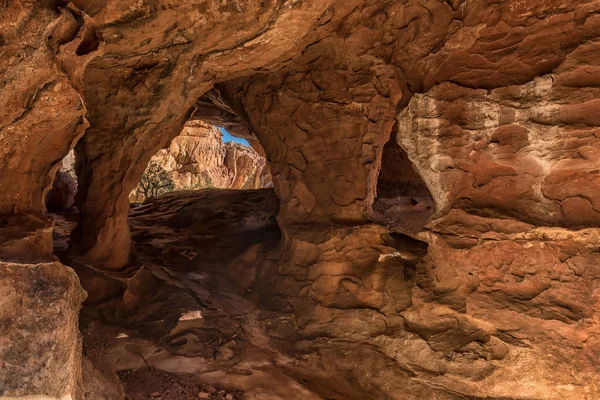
[(155, 181), (208, 183)]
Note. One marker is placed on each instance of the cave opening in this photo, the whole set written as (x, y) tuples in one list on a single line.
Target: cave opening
[(403, 202), (203, 156), (201, 216)]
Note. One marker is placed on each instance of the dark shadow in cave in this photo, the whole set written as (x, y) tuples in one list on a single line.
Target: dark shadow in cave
[(191, 266), (403, 202), (61, 197), (192, 263)]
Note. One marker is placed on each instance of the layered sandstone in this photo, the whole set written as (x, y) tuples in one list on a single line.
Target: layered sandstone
[(436, 165), (198, 158)]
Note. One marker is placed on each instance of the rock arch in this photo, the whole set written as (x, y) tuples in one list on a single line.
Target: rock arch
[(495, 106)]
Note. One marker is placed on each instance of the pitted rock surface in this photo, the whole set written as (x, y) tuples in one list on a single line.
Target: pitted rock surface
[(435, 165)]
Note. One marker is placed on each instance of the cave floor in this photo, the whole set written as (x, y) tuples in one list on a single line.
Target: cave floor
[(172, 326)]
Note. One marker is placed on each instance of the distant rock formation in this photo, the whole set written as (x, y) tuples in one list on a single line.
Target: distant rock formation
[(198, 158)]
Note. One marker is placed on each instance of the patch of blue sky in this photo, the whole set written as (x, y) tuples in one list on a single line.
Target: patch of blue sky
[(228, 138)]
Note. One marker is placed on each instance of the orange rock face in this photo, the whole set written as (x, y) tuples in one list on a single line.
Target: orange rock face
[(436, 163)]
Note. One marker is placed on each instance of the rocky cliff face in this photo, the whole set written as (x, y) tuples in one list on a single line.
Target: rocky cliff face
[(436, 165), (198, 158)]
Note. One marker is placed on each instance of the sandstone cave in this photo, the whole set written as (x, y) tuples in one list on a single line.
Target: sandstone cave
[(417, 214), (403, 201)]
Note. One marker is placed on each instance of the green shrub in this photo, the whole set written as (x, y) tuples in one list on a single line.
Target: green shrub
[(155, 181)]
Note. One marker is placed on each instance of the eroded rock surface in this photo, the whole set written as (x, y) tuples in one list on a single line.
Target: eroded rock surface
[(159, 59), (40, 343), (220, 296), (457, 261), (198, 158), (185, 314)]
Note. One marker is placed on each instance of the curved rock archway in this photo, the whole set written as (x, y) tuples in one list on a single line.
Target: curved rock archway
[(492, 104)]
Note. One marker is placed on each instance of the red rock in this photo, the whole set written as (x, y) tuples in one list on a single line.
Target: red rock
[(485, 280)]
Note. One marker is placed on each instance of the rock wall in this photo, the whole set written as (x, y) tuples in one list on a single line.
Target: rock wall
[(496, 120), (198, 158), (491, 103), (40, 349)]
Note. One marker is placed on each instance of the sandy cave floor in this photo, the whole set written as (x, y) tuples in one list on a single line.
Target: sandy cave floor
[(180, 330)]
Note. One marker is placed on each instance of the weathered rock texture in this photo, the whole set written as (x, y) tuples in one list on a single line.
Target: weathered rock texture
[(42, 116), (40, 344), (198, 158), (458, 261)]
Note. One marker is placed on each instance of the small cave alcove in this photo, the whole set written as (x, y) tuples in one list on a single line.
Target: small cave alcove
[(403, 201), (61, 197)]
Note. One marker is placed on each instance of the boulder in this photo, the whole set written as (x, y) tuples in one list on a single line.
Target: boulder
[(62, 195)]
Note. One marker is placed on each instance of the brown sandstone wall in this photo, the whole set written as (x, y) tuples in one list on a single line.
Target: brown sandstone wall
[(495, 105)]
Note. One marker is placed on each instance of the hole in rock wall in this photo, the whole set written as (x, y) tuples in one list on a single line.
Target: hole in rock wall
[(411, 250), (64, 188), (403, 201), (89, 43), (203, 157), (207, 214)]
